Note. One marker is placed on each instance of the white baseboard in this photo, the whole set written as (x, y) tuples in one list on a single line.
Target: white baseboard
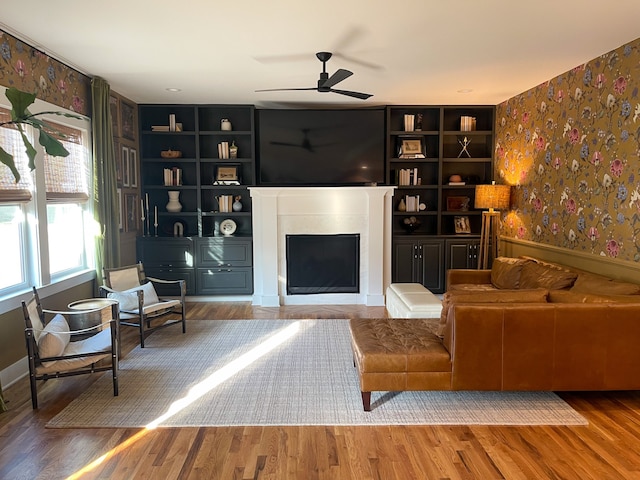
[(15, 372)]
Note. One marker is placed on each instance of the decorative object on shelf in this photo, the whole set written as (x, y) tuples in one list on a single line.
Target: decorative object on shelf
[(411, 224), (494, 197), (178, 229), (228, 227), (171, 153), (402, 207), (409, 122), (419, 121), (225, 203), (227, 175), (456, 180), (233, 150), (411, 148), (174, 204), (458, 204), (225, 125), (462, 224), (464, 143), (237, 204), (423, 207), (467, 123), (155, 220)]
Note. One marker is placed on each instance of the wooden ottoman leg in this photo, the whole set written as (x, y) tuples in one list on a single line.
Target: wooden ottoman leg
[(366, 401)]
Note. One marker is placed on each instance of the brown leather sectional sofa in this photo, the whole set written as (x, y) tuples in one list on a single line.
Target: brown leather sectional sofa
[(523, 325)]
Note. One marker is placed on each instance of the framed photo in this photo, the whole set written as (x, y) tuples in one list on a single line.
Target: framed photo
[(458, 204), (120, 216), (127, 120), (227, 175), (118, 160), (131, 212), (133, 166), (411, 148), (114, 107), (462, 224), (126, 173)]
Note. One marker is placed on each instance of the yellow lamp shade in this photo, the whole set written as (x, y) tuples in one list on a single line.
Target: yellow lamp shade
[(492, 197)]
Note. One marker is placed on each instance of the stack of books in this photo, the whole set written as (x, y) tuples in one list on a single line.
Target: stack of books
[(408, 176), (223, 150), (409, 121), (225, 203), (172, 176), (412, 203)]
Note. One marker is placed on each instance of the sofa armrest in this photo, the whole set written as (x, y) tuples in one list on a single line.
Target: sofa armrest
[(466, 275)]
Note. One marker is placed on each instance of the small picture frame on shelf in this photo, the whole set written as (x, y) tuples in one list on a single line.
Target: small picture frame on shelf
[(461, 224), (458, 204), (227, 175), (411, 148)]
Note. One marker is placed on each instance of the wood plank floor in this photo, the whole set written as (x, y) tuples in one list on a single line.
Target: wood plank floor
[(608, 448)]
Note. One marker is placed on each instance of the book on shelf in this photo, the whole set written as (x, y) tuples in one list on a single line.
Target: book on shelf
[(223, 150), (457, 183)]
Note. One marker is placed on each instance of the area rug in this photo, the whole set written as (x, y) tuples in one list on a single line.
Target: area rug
[(279, 372)]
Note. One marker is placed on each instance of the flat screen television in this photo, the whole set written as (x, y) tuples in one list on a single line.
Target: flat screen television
[(320, 147)]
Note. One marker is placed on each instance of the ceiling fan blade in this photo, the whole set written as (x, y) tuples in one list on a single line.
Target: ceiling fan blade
[(348, 93), (337, 77), (284, 89), (350, 59)]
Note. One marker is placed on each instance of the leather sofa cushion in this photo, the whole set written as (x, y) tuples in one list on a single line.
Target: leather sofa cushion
[(506, 271), (599, 284), (569, 296), (497, 296), (546, 275)]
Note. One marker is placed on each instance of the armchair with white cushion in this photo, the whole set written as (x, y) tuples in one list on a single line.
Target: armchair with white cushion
[(56, 351), (139, 302)]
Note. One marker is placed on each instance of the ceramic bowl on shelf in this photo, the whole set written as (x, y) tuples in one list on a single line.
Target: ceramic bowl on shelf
[(170, 153)]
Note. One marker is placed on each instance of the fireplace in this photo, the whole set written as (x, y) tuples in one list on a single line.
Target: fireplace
[(280, 211), (323, 264)]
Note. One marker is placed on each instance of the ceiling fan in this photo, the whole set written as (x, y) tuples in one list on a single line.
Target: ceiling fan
[(326, 82)]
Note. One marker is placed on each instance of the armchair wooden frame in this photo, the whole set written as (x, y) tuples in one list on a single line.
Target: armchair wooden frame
[(86, 348), (116, 280)]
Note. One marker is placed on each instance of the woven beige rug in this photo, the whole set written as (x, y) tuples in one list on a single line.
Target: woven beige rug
[(279, 372)]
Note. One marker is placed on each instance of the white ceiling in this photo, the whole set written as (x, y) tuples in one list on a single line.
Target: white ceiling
[(402, 52)]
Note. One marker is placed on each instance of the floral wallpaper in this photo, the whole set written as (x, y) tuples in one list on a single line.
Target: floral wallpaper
[(30, 70), (571, 147)]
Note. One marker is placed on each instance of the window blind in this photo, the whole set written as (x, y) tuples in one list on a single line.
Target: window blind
[(11, 142)]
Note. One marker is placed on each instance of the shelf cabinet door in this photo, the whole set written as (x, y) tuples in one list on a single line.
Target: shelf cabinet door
[(186, 274), (462, 253), (432, 265), (405, 257), (224, 252)]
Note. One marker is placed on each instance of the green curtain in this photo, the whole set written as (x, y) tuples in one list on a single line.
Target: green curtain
[(105, 195)]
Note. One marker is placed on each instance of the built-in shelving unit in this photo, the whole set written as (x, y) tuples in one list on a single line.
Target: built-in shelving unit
[(421, 159)]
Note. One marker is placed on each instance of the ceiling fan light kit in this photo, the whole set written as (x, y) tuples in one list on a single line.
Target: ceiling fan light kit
[(325, 82)]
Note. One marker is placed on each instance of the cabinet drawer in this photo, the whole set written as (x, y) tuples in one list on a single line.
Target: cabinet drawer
[(224, 253), (225, 281), (165, 252), (187, 274)]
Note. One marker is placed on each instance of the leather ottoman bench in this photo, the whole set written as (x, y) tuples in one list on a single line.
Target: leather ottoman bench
[(397, 354)]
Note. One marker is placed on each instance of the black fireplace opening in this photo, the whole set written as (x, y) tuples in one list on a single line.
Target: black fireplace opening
[(323, 264)]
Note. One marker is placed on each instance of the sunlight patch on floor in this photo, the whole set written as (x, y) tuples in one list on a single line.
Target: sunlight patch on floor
[(198, 390)]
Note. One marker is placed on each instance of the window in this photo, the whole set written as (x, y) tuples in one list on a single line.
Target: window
[(46, 219)]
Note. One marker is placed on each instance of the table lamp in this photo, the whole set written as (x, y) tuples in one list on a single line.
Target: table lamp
[(493, 197)]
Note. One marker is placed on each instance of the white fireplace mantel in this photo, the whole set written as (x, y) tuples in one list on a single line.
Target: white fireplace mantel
[(279, 211)]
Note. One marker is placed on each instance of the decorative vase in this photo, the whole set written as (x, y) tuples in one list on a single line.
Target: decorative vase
[(237, 205), (174, 204), (402, 207), (225, 124)]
